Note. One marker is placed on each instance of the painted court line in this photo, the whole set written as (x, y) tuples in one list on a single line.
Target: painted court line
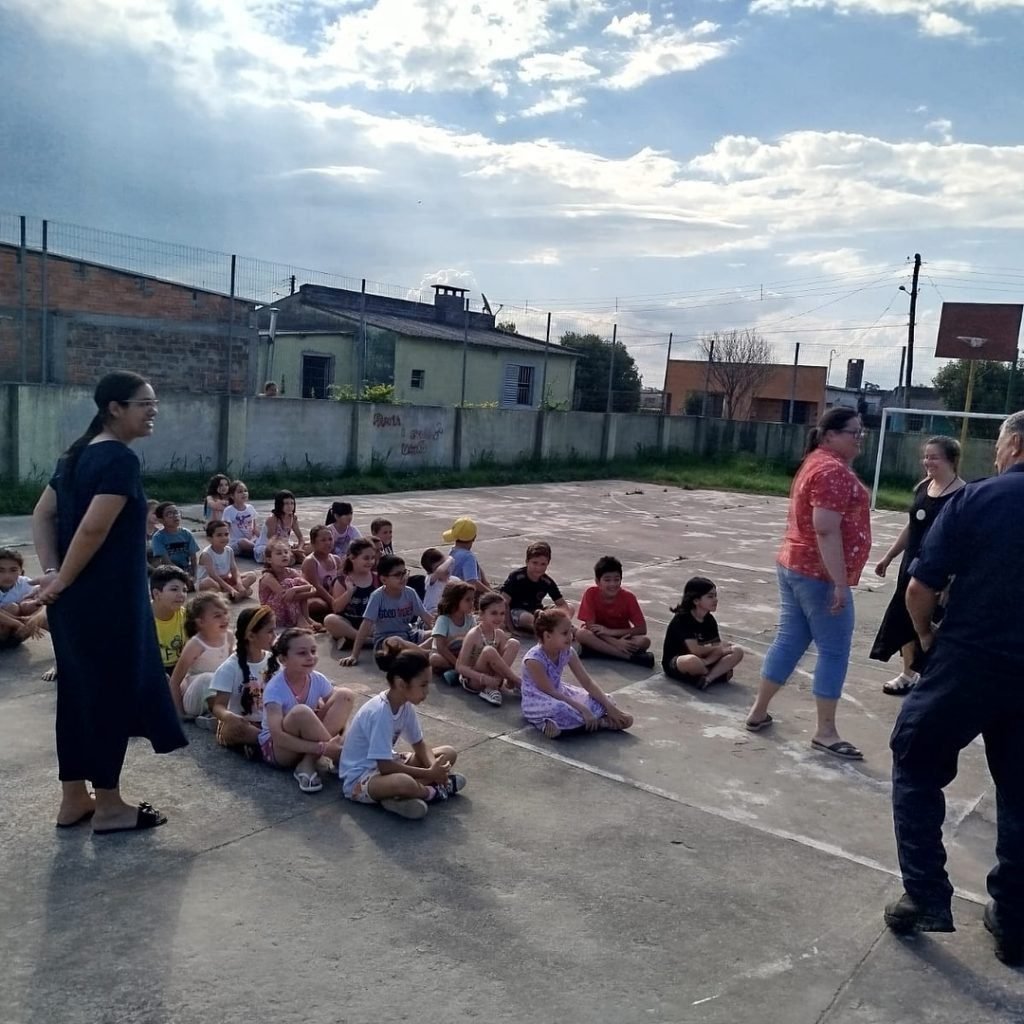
[(717, 812)]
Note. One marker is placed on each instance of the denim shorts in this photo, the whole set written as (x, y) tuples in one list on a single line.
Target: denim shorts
[(804, 617)]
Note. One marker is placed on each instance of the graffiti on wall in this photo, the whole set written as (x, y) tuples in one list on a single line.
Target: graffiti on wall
[(410, 440)]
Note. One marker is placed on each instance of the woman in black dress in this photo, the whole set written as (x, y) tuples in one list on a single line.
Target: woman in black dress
[(89, 528), (941, 458)]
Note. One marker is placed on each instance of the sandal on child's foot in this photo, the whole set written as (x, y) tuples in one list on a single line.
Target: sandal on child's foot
[(309, 782), (551, 730), (758, 726)]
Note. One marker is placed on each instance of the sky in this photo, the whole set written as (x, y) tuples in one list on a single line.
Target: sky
[(664, 166)]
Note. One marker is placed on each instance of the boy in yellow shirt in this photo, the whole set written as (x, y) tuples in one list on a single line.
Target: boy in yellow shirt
[(168, 586)]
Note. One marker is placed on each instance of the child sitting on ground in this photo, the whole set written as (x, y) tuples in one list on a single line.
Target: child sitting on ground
[(613, 624), (168, 589), (382, 533), (389, 616), (555, 707), (464, 563), (236, 689), (151, 527), (217, 498), (303, 714), (241, 519), (454, 620), (372, 772), (217, 570), (172, 545), (485, 659), (438, 568), (282, 524), (351, 591), (339, 519), (208, 647), (22, 617), (525, 589), (693, 651), (284, 590), (320, 568)]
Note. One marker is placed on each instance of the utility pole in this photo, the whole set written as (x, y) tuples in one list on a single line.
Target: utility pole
[(611, 367), (911, 326), (666, 402)]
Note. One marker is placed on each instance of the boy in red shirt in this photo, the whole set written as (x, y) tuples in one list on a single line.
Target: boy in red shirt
[(613, 624)]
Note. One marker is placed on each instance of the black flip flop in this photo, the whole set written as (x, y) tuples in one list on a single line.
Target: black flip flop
[(758, 726), (78, 821), (841, 748), (146, 818)]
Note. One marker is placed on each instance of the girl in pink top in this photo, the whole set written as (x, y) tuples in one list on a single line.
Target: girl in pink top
[(827, 543)]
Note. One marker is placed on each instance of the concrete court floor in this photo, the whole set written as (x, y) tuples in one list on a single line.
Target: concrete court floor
[(688, 871)]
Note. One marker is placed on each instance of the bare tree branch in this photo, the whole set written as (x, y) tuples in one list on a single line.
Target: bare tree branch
[(742, 362)]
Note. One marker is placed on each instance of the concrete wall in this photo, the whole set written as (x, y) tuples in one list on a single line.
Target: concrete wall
[(207, 433), (404, 436), (496, 435), (295, 432)]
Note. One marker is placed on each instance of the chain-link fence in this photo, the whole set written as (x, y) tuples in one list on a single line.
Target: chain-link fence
[(651, 366)]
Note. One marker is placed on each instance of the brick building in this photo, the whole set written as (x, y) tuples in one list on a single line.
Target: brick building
[(686, 379), (93, 318)]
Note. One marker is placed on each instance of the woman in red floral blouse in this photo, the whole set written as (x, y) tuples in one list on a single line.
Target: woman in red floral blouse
[(827, 543)]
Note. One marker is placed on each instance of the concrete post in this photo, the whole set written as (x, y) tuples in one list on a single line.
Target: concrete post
[(608, 437)]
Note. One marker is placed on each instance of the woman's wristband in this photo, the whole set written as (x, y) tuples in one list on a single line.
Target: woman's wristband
[(321, 747)]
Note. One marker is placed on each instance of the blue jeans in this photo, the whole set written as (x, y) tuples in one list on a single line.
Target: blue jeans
[(804, 616)]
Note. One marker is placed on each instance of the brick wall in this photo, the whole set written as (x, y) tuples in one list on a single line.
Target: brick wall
[(176, 335)]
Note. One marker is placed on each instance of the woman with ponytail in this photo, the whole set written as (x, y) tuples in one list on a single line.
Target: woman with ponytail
[(827, 543), (89, 528)]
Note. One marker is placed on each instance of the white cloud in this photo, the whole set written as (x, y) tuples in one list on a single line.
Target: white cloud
[(628, 26), (556, 67), (556, 101), (545, 258), (668, 52), (935, 23), (841, 262), (934, 17), (354, 173), (942, 126)]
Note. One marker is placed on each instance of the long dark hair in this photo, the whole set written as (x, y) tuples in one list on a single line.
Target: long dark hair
[(338, 508), (835, 418), (452, 596), (119, 387), (694, 589), (280, 649), (355, 549), (249, 621), (279, 499)]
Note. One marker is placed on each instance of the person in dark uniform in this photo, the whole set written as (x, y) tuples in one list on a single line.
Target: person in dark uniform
[(972, 684), (90, 534)]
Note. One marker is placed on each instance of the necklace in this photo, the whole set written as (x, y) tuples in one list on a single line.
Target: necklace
[(947, 487)]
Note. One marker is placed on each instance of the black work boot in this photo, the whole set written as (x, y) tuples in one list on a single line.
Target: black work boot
[(904, 916), (1009, 941)]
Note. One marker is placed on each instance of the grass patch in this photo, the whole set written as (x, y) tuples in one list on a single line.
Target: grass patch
[(739, 472)]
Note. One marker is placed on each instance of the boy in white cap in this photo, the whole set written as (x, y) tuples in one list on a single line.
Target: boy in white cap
[(464, 563)]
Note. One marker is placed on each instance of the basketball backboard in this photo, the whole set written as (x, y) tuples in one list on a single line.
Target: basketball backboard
[(979, 330)]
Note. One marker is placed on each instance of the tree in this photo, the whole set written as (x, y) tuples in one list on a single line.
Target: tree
[(506, 326), (991, 381), (741, 362), (592, 374)]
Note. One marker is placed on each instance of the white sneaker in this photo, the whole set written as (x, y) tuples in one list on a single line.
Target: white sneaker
[(491, 696), (207, 722), (412, 809)]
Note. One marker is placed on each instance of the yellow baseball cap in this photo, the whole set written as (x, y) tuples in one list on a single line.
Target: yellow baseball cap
[(462, 529)]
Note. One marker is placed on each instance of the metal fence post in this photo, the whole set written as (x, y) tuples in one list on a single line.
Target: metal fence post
[(465, 348), (231, 328), (544, 376), (22, 285), (792, 393), (44, 352), (707, 378)]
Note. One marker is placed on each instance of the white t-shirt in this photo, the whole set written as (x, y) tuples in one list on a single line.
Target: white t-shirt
[(371, 737), (228, 679), (432, 591), (21, 591), (277, 691), (221, 563), (446, 627), (240, 522)]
